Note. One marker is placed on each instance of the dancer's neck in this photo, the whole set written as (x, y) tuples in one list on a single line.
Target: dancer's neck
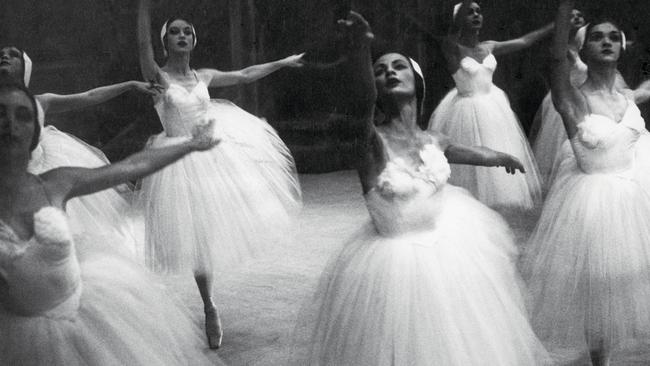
[(401, 116), (178, 64)]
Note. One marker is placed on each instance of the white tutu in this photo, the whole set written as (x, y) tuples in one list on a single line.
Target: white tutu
[(217, 208), (117, 315), (101, 211), (480, 115), (588, 261), (418, 288)]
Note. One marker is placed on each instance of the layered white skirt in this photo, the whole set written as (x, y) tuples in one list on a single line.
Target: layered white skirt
[(444, 296), (214, 209), (103, 211), (588, 266), (120, 315), (487, 120)]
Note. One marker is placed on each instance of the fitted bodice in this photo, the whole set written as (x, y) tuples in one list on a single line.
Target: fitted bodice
[(473, 77), (402, 201), (39, 276), (180, 109), (602, 145)]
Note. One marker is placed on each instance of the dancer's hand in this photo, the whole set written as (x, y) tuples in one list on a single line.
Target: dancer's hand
[(294, 61), (357, 29), (150, 88), (203, 136), (509, 162)]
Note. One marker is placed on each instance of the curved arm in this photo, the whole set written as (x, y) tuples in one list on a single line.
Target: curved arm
[(454, 28), (476, 155), (517, 44), (568, 100), (148, 66), (482, 156), (56, 103), (71, 182), (68, 182), (248, 75)]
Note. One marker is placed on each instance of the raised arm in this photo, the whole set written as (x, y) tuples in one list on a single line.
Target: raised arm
[(148, 66), (454, 27), (55, 103), (248, 75), (360, 92), (567, 99), (517, 44), (66, 183)]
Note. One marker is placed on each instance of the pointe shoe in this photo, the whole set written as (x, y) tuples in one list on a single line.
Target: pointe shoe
[(213, 329)]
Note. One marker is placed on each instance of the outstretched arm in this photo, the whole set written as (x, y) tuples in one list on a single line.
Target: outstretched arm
[(568, 100), (248, 75), (517, 44), (66, 183), (642, 92), (360, 91), (148, 66), (55, 103), (477, 155)]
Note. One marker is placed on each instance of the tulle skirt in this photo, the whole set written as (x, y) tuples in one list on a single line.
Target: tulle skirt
[(119, 316), (445, 296), (215, 209), (487, 120), (98, 212), (587, 266), (548, 143)]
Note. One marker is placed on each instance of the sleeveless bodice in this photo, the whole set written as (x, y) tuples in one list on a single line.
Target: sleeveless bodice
[(402, 199), (602, 145), (179, 109), (39, 276), (473, 77)]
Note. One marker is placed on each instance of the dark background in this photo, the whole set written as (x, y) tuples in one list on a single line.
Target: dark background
[(78, 45)]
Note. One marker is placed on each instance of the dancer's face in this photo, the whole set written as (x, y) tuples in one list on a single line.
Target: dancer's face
[(11, 62), (394, 76), (473, 18), (603, 44), (17, 122), (577, 19), (179, 37)]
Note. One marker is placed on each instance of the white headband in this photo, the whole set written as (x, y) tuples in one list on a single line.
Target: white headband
[(27, 69), (418, 70), (581, 37), (457, 9), (163, 32)]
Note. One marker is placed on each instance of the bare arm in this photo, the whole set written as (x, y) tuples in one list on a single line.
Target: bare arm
[(568, 100), (517, 44), (56, 103), (454, 27), (148, 66), (449, 44), (248, 75), (642, 92), (66, 183), (476, 155), (482, 156), (362, 94)]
